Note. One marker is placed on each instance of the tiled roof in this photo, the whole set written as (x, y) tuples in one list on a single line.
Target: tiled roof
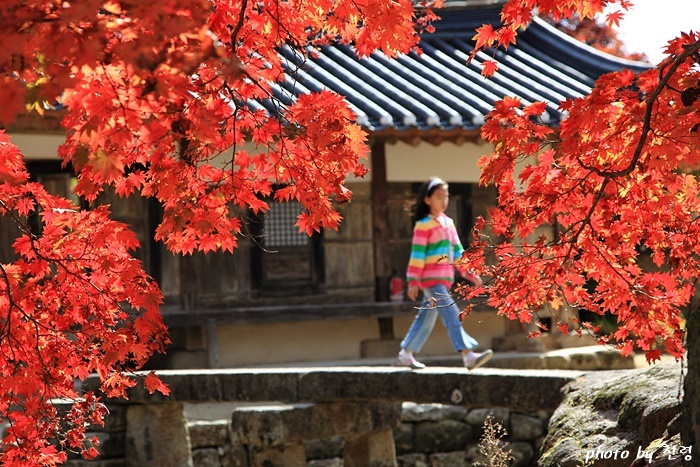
[(439, 91)]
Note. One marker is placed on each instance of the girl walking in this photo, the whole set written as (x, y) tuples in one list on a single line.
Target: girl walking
[(434, 249)]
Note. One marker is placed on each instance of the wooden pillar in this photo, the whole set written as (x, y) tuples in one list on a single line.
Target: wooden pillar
[(382, 259)]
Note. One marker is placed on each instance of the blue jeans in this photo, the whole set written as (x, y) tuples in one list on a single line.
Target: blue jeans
[(437, 300)]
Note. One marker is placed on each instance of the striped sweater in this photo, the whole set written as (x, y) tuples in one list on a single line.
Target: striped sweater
[(434, 249)]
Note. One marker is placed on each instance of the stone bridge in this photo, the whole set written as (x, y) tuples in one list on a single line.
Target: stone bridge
[(292, 405)]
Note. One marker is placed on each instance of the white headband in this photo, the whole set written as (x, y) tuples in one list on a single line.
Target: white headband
[(435, 181)]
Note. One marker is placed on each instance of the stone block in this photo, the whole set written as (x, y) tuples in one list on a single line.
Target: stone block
[(574, 340), (443, 436), (523, 454), (403, 438), (585, 361), (280, 423), (557, 362), (333, 462), (95, 463), (287, 455), (152, 427), (228, 385), (324, 448), (613, 360), (115, 421), (207, 457), (448, 459), (234, 456), (412, 412), (525, 427), (455, 412), (474, 456), (477, 417), (412, 460), (205, 433), (111, 444), (375, 449)]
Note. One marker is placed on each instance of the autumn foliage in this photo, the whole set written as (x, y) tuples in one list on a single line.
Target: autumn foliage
[(188, 102), (183, 101), (616, 181)]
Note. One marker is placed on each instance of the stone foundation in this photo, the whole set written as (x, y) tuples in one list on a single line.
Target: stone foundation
[(427, 434)]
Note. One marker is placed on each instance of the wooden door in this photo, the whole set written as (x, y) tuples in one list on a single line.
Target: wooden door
[(285, 261)]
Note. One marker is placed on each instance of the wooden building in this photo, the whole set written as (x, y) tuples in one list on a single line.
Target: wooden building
[(285, 297)]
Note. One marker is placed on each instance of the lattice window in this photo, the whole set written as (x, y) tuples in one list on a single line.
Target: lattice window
[(279, 223)]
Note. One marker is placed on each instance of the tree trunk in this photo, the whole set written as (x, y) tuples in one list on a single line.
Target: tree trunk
[(690, 427)]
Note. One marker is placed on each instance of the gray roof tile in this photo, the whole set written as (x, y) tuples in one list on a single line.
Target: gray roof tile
[(439, 90)]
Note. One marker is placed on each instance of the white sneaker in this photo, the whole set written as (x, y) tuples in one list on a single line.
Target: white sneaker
[(474, 360), (407, 359)]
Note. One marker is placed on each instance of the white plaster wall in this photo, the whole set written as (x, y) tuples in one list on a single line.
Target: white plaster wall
[(255, 344), (38, 146), (405, 163), (451, 162)]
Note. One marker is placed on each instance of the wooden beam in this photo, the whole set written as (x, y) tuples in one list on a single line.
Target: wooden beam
[(380, 226)]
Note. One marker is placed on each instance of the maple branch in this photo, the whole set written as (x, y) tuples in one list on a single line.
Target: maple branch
[(11, 304), (646, 127), (646, 121), (239, 25), (607, 261), (586, 221)]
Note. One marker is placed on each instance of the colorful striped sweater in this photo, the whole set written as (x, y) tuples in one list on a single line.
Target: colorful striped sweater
[(434, 250)]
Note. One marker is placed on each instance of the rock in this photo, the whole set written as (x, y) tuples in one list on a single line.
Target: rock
[(333, 462), (208, 457), (412, 460), (475, 456), (523, 454), (411, 412), (525, 427), (403, 438), (115, 421), (206, 433), (583, 361), (611, 417), (448, 459), (324, 448), (455, 412), (477, 417), (444, 436), (234, 456)]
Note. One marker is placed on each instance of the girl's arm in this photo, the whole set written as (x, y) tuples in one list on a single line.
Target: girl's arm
[(458, 250), (416, 262)]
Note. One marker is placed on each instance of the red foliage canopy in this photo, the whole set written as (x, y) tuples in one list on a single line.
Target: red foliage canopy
[(162, 98), (615, 179)]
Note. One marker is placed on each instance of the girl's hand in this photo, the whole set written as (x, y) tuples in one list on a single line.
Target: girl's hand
[(475, 279), (413, 292)]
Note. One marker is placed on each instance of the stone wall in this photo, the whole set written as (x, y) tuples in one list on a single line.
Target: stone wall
[(429, 435), (602, 413)]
